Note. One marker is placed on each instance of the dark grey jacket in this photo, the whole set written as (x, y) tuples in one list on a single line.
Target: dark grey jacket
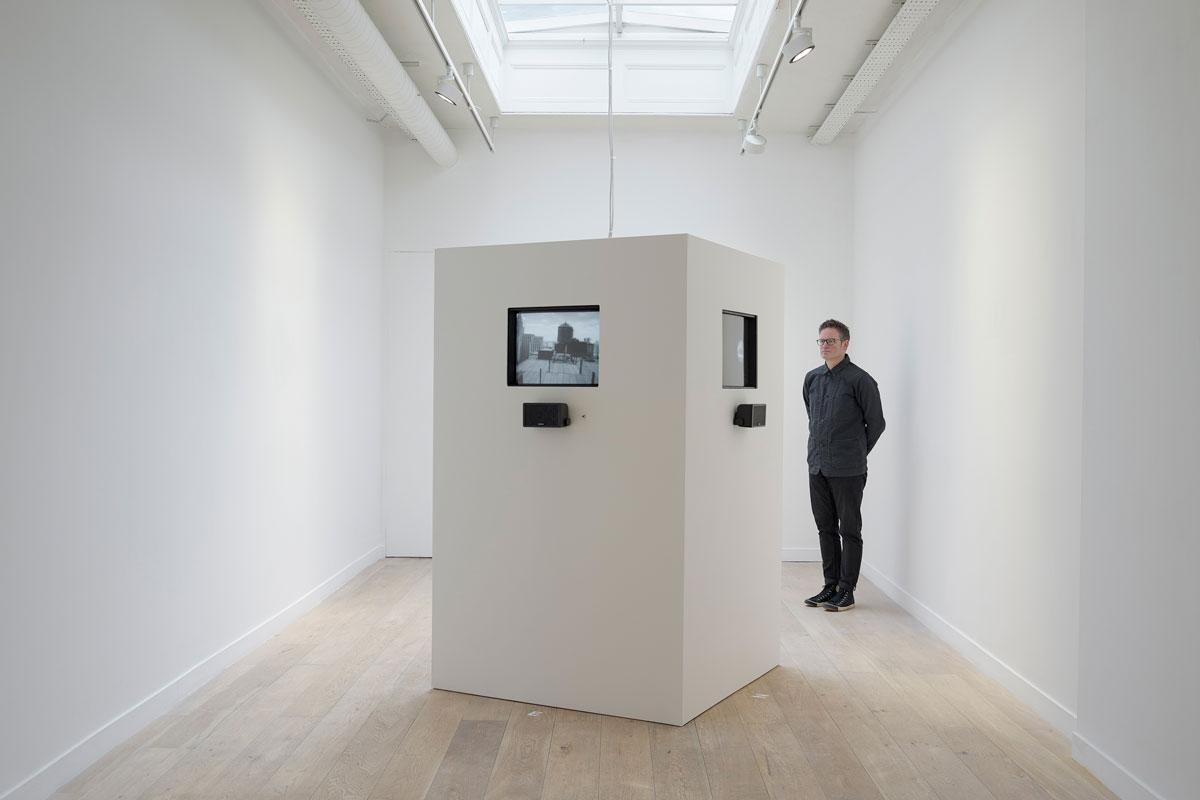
[(845, 419)]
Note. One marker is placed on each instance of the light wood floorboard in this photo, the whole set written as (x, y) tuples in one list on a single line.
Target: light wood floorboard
[(866, 705)]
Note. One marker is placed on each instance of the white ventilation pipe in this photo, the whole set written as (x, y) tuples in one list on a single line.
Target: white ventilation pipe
[(894, 39), (348, 31)]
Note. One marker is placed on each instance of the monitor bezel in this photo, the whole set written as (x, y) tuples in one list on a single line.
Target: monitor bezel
[(512, 345), (750, 354)]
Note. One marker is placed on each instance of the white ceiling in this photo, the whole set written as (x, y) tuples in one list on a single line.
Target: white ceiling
[(803, 93), (800, 97)]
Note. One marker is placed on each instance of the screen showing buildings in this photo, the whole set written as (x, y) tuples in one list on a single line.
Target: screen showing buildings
[(554, 346), (739, 350)]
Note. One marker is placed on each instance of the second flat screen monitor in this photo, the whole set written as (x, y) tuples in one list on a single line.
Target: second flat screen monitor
[(554, 346), (739, 350)]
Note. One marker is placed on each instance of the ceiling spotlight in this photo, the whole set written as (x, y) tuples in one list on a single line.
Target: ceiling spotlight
[(800, 45), (754, 142), (446, 88)]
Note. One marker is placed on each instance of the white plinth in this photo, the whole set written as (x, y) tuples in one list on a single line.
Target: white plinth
[(628, 564)]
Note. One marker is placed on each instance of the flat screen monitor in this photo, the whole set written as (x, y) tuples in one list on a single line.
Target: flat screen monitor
[(739, 350), (554, 346)]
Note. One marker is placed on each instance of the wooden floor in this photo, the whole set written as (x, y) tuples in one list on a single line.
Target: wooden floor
[(865, 705)]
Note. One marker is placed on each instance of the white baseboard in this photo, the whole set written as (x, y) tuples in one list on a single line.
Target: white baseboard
[(1123, 783), (45, 781), (1028, 692), (801, 554)]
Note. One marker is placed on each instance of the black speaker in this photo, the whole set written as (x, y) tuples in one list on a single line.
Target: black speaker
[(545, 415), (750, 416)]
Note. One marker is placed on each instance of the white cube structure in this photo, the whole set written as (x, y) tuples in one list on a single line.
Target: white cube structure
[(628, 564)]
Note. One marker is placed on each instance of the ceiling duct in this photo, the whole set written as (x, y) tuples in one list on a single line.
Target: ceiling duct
[(903, 26), (347, 30)]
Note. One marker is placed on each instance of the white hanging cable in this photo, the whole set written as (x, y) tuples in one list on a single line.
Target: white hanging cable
[(611, 157)]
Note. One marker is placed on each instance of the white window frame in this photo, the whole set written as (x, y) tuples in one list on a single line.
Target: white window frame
[(667, 37)]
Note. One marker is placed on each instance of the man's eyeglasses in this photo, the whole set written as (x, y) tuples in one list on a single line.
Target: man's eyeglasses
[(824, 342)]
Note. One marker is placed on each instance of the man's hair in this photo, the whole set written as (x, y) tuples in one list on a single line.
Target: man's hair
[(842, 330)]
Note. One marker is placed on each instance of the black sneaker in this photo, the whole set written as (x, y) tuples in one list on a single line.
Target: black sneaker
[(842, 601), (826, 594)]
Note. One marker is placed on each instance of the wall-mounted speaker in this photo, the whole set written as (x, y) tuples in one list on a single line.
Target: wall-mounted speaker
[(747, 415), (545, 415)]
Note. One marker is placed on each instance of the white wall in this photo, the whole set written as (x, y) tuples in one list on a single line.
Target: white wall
[(408, 404), (791, 205), (1139, 703), (968, 298), (189, 356)]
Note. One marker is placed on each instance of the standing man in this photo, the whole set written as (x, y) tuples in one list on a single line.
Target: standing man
[(845, 420)]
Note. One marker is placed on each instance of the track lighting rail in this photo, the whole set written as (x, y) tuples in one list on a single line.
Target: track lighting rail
[(793, 27), (458, 79)]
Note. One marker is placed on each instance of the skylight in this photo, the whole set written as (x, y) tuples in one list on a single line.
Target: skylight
[(670, 57), (586, 21)]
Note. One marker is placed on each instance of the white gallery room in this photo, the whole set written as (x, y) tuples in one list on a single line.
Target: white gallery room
[(312, 484)]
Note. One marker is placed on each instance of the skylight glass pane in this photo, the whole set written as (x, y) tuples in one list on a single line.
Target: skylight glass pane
[(548, 21), (528, 16), (724, 13), (708, 20)]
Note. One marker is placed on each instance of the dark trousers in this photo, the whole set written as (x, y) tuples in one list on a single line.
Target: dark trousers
[(837, 500)]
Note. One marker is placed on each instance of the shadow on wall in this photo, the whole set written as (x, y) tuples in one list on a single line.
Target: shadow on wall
[(895, 477), (900, 427)]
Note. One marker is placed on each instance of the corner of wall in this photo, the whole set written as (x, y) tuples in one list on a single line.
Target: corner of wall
[(1050, 709), (71, 763), (1111, 773)]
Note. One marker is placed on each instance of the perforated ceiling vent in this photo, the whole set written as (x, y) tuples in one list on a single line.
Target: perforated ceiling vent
[(893, 41), (335, 45)]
